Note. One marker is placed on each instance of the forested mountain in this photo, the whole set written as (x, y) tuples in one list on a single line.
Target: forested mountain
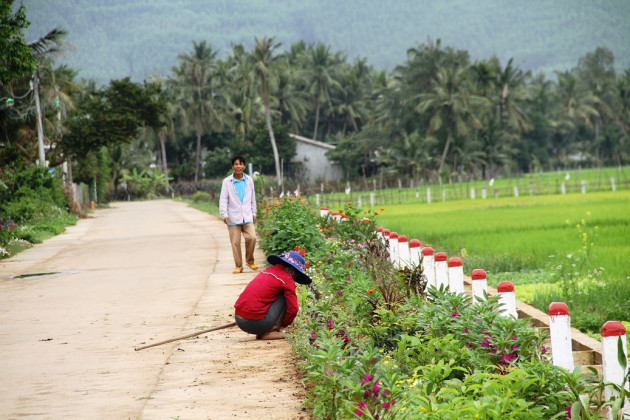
[(118, 38)]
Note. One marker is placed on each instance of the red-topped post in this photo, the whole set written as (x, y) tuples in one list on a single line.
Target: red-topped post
[(441, 270), (507, 299), (393, 249), (612, 370), (379, 232), (404, 256), (428, 265), (455, 275), (385, 236), (560, 334), (479, 284), (414, 252), (323, 211)]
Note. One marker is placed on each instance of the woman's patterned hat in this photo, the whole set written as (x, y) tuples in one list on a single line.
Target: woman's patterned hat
[(295, 260)]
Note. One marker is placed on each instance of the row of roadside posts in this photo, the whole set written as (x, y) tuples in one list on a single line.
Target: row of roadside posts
[(448, 273)]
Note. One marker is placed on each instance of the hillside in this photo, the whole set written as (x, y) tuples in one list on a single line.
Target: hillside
[(118, 38)]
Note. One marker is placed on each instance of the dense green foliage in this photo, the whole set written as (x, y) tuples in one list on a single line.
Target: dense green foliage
[(119, 38), (16, 59), (373, 343), (32, 208)]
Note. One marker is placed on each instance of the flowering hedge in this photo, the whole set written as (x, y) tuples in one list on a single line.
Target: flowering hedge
[(373, 343)]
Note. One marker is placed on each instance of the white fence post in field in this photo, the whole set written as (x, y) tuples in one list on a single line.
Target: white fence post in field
[(472, 193), (372, 199), (515, 191), (427, 265), (507, 299), (441, 270), (359, 201), (612, 370), (612, 183), (317, 199), (563, 189), (323, 211), (414, 252), (404, 257), (583, 187), (385, 237), (479, 284), (483, 192), (560, 334), (428, 195), (455, 275), (393, 249)]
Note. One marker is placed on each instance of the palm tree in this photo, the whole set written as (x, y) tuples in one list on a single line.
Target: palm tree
[(194, 80), (448, 103), (319, 69), (264, 71)]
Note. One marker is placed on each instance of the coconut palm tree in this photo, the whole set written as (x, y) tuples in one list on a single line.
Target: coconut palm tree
[(320, 70), (448, 104), (264, 71), (195, 91)]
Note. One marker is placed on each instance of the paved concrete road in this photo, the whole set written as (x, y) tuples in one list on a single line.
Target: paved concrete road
[(134, 274)]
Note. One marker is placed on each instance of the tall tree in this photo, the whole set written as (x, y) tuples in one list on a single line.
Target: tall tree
[(264, 68), (193, 77), (448, 103), (319, 69), (16, 58)]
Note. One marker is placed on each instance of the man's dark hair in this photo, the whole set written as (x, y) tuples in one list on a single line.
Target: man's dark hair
[(238, 157)]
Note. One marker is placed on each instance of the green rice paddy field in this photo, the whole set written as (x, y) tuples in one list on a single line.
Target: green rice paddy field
[(573, 248)]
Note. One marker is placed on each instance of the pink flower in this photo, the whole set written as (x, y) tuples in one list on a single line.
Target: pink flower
[(359, 413), (386, 405), (340, 293), (466, 330), (455, 313), (362, 405), (544, 350), (367, 377)]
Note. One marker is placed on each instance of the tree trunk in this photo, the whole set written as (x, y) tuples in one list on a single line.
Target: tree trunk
[(316, 120), (276, 158), (163, 148), (197, 157)]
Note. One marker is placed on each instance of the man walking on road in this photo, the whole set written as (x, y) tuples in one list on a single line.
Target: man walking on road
[(237, 207)]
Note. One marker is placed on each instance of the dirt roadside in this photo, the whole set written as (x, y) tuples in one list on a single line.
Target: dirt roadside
[(134, 274)]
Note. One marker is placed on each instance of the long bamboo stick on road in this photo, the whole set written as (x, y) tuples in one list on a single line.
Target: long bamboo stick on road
[(231, 324)]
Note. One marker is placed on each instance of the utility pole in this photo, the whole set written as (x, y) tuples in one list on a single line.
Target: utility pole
[(40, 129)]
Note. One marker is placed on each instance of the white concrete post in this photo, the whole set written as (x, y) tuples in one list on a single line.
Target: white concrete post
[(428, 268), (441, 270), (583, 187), (563, 188), (560, 334), (483, 193), (393, 249), (479, 284), (612, 371), (385, 237), (379, 233), (472, 193), (404, 256), (428, 195), (455, 275), (515, 191), (372, 199), (317, 199), (414, 252), (612, 183), (507, 299), (323, 211)]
